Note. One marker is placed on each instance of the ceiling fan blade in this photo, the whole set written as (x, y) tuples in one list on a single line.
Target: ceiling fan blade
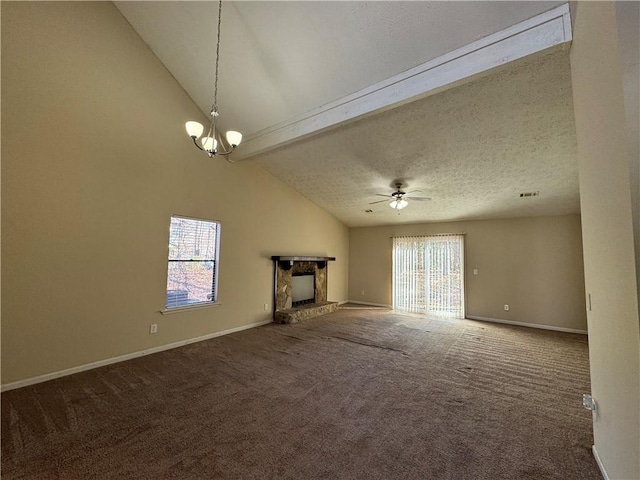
[(379, 201), (413, 191), (418, 199), (382, 195)]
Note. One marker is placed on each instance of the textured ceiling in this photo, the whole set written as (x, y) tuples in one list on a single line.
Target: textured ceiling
[(472, 148)]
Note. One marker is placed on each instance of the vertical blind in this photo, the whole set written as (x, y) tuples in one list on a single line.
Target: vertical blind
[(428, 274)]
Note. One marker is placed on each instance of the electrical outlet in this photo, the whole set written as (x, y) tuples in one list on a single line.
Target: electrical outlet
[(153, 328), (266, 307), (475, 271), (506, 308), (362, 293)]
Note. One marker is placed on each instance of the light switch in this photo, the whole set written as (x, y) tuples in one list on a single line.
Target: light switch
[(475, 271)]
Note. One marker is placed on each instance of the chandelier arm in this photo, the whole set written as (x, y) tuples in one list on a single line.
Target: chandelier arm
[(212, 127), (195, 142), (213, 131), (226, 152)]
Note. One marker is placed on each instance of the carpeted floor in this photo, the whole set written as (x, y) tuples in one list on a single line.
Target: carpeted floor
[(356, 394)]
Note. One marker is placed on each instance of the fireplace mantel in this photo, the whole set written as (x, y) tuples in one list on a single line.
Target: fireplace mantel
[(292, 258)]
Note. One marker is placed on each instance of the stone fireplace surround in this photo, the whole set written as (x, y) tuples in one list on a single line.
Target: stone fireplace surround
[(284, 269)]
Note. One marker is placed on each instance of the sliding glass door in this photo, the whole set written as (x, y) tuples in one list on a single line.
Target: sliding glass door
[(428, 274)]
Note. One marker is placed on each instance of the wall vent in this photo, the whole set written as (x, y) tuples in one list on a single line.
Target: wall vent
[(529, 194)]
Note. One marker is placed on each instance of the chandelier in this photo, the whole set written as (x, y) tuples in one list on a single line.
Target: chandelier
[(209, 143)]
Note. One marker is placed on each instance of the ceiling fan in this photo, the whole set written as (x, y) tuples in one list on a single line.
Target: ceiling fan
[(399, 198)]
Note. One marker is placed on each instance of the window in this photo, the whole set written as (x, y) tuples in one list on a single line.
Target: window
[(193, 262), (428, 274)]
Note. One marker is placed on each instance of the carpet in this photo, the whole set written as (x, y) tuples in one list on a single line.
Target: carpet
[(360, 393)]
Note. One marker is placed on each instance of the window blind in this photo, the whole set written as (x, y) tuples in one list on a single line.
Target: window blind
[(193, 261)]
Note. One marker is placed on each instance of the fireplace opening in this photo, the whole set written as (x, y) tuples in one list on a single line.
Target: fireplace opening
[(303, 288)]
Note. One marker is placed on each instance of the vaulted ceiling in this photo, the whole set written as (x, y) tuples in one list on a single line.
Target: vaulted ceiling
[(472, 147)]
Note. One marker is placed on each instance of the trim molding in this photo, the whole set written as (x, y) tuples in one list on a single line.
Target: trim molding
[(538, 33), (599, 462), (369, 303), (122, 358), (530, 325)]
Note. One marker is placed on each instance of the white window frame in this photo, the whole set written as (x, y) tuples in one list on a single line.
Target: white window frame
[(216, 266)]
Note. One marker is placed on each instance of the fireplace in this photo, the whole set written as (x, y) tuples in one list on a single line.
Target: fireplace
[(303, 288), (300, 288)]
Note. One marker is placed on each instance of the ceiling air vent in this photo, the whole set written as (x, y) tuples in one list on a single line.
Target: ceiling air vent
[(529, 194)]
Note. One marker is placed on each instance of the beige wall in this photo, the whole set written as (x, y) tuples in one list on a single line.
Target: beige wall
[(628, 20), (94, 161), (532, 264), (605, 198)]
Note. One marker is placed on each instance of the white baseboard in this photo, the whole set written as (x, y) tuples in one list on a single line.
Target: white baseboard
[(343, 302), (599, 462), (369, 303), (122, 358), (530, 325)]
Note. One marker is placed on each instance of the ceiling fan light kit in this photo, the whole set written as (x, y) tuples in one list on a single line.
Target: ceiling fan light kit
[(209, 143), (398, 204), (399, 199)]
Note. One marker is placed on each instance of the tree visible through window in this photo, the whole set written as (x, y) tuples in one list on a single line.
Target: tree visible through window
[(193, 262)]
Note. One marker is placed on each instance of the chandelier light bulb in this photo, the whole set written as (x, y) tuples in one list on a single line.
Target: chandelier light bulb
[(394, 203), (194, 129), (209, 144), (234, 138)]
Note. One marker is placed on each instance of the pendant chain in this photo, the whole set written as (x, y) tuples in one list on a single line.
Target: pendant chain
[(215, 90)]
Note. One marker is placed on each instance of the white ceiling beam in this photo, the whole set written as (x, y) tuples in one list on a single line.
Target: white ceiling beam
[(525, 38)]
